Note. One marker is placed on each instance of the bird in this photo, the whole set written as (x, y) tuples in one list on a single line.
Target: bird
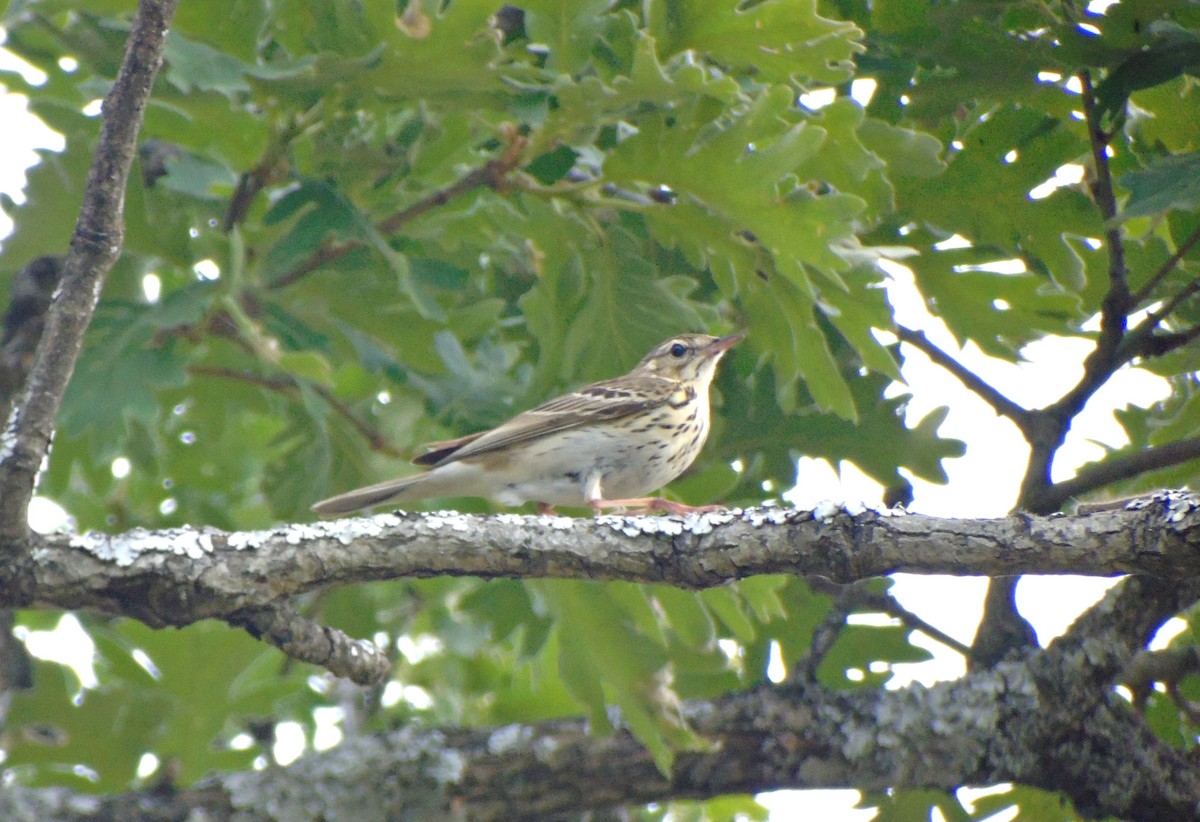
[(606, 445)]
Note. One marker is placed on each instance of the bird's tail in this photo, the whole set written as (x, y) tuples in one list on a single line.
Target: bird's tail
[(404, 488)]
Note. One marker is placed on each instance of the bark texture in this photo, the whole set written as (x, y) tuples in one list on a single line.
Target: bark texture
[(1049, 718)]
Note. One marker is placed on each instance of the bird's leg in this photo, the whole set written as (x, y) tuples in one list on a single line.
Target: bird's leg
[(645, 505), (679, 508), (640, 505)]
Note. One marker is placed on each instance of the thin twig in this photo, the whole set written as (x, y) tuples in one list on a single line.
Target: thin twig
[(300, 638), (1117, 299), (267, 169), (1001, 404), (1049, 427), (491, 174), (1142, 332), (376, 440), (1167, 267), (1105, 358), (1157, 345), (859, 596), (889, 605), (1121, 468), (1002, 628), (95, 246), (825, 635)]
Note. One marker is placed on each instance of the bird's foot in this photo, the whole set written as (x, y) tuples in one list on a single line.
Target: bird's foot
[(648, 505), (679, 509), (546, 509)]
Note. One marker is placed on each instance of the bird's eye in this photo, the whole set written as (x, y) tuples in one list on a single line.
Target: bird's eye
[(678, 350)]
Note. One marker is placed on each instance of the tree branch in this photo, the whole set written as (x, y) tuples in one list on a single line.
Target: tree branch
[(888, 604), (1002, 627), (1023, 720), (1001, 404), (860, 596), (1167, 267), (1124, 467), (989, 727), (95, 246), (272, 164), (1158, 345), (491, 174), (30, 293), (1169, 666), (1140, 335), (372, 435), (1133, 610), (1105, 358), (356, 659), (176, 577)]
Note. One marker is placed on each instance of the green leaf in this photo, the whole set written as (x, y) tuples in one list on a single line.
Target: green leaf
[(1033, 805), (193, 65), (198, 177), (730, 609), (749, 155), (686, 614), (553, 165), (123, 348), (1169, 183), (627, 307), (1164, 60), (984, 195), (858, 646), (602, 653), (53, 194), (782, 41), (902, 806), (569, 28), (107, 729), (307, 365), (1000, 312), (324, 215), (784, 315)]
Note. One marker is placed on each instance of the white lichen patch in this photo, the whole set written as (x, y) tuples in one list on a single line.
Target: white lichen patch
[(241, 540), (672, 526), (859, 742), (304, 532), (448, 768), (897, 510), (634, 526), (826, 510), (545, 748), (436, 520), (8, 440), (555, 521), (344, 531), (700, 524), (1179, 503), (503, 740), (430, 749), (773, 515), (125, 549)]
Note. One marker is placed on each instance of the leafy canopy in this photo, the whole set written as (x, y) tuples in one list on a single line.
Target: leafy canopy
[(365, 225)]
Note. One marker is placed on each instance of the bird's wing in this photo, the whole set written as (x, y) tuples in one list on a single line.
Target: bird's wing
[(438, 451), (598, 402)]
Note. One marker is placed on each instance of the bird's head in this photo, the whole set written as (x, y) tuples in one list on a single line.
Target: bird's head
[(687, 357)]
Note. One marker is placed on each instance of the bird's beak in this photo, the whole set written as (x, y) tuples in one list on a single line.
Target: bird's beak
[(722, 344)]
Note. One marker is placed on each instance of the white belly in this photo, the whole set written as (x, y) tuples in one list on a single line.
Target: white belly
[(607, 462)]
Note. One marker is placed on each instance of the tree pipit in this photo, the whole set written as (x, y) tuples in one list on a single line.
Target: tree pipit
[(606, 445)]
